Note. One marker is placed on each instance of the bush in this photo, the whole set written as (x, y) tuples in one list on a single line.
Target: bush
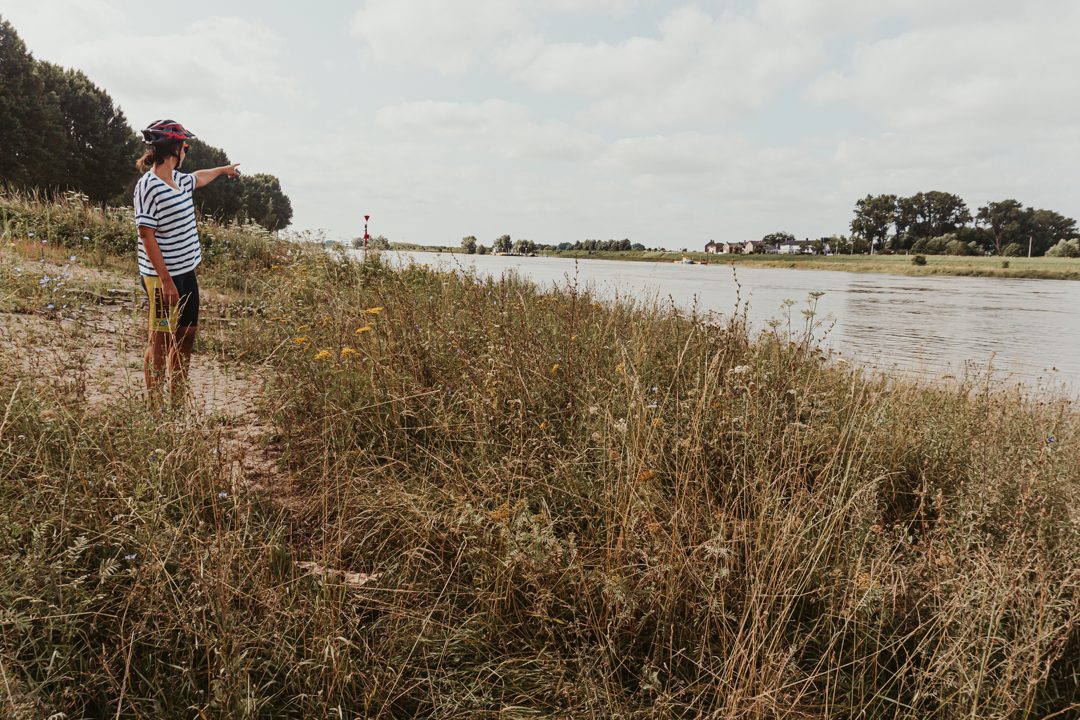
[(959, 247), (71, 220), (1013, 250), (936, 246), (74, 221), (1065, 248), (918, 260)]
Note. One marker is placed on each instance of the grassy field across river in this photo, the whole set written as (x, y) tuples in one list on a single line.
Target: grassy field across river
[(408, 493), (1046, 268)]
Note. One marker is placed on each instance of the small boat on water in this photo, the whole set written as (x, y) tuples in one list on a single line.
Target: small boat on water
[(688, 261)]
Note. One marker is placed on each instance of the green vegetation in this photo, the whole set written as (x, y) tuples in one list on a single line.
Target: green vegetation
[(474, 498), (59, 130), (939, 223)]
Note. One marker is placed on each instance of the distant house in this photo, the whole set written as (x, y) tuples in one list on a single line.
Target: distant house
[(797, 247), (731, 248), (757, 246), (711, 247)]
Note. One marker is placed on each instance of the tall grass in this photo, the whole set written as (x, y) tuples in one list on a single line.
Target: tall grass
[(494, 499)]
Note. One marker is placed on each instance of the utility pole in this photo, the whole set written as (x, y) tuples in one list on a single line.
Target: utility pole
[(1029, 245)]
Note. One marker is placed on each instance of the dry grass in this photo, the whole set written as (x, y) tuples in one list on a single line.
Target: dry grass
[(501, 502)]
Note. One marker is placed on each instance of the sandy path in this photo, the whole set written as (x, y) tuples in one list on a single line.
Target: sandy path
[(96, 351)]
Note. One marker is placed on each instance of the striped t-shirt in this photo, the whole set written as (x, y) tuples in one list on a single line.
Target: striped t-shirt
[(171, 213)]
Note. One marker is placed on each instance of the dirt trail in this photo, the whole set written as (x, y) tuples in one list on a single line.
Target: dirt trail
[(97, 350), (93, 345)]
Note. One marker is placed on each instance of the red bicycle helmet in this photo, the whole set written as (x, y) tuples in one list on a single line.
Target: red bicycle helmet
[(165, 131)]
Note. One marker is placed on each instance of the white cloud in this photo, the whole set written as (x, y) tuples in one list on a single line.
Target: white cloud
[(435, 34), (477, 131), (50, 28), (1008, 73), (841, 17), (214, 61), (701, 69), (453, 37)]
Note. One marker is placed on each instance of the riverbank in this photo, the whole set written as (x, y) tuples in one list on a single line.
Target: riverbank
[(452, 495), (1042, 268)]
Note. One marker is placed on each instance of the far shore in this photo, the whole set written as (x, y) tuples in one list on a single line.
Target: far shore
[(1043, 268)]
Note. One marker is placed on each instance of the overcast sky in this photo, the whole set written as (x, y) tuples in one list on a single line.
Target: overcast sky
[(666, 122)]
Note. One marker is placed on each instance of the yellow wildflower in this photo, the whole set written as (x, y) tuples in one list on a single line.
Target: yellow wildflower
[(374, 310), (348, 352), (300, 340), (322, 355), (362, 330), (555, 368), (620, 368), (543, 425)]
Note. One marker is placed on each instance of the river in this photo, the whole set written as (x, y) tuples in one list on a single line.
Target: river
[(1021, 330)]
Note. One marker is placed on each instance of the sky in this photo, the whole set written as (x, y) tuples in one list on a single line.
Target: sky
[(668, 123)]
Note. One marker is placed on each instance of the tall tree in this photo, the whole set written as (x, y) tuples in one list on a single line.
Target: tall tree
[(31, 130), (874, 215), (1047, 228), (524, 247), (778, 238), (59, 130), (468, 243), (928, 215), (264, 201), (1005, 219), (503, 244), (99, 147)]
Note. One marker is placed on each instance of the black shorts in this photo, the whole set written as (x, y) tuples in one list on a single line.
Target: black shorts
[(185, 315)]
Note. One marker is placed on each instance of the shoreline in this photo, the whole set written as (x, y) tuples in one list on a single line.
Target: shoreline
[(1041, 268)]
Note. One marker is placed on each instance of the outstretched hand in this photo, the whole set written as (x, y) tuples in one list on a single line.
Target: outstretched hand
[(231, 170)]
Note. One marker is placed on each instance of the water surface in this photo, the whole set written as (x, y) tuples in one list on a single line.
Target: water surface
[(1020, 329)]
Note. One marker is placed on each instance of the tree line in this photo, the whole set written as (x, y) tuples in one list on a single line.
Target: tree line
[(61, 132), (522, 246), (931, 223), (938, 222)]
